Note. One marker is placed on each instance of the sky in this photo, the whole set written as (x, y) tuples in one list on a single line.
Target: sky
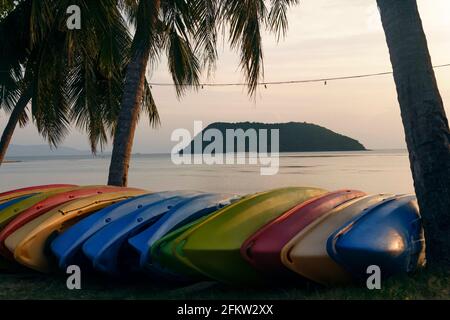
[(326, 38)]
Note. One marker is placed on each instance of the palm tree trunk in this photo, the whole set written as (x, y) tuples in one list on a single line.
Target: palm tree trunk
[(131, 101), (424, 120), (12, 123), (128, 118)]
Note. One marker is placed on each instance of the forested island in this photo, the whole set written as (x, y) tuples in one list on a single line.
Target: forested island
[(293, 137)]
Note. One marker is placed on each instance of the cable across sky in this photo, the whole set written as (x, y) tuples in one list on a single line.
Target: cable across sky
[(287, 82), (284, 82)]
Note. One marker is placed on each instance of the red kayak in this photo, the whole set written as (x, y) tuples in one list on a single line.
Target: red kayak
[(32, 189), (47, 205), (262, 250)]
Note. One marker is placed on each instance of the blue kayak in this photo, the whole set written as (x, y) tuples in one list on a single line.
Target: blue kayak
[(14, 201), (389, 236), (104, 247), (67, 246), (180, 215)]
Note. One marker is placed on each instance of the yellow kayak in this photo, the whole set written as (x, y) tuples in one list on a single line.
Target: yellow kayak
[(11, 212), (13, 194), (29, 242), (214, 245), (306, 254)]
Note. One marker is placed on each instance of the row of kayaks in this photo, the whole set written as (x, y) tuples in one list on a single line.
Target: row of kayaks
[(284, 234)]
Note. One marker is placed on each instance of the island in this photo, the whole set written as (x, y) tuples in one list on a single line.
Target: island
[(293, 137)]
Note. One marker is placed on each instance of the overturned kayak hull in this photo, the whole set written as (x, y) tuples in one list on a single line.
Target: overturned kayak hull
[(182, 214), (4, 263), (213, 246), (289, 234), (67, 247), (9, 195), (262, 250), (46, 205), (389, 236), (104, 247), (14, 201), (167, 257), (306, 254), (13, 211), (30, 242)]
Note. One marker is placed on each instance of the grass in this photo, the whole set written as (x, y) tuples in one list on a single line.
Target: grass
[(427, 284)]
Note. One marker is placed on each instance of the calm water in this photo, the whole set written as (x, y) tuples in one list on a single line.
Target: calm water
[(371, 171)]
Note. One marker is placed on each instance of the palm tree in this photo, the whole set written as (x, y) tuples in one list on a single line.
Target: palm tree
[(424, 120), (144, 17), (187, 29), (152, 35), (14, 31), (69, 76)]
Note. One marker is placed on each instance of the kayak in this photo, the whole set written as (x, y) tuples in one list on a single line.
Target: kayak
[(4, 264), (390, 236), (29, 243), (178, 216), (67, 246), (12, 202), (103, 248), (34, 189), (306, 254), (9, 195), (13, 211), (169, 262), (262, 250), (168, 258), (45, 205), (213, 246)]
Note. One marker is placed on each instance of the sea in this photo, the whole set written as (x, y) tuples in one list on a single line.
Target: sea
[(376, 171)]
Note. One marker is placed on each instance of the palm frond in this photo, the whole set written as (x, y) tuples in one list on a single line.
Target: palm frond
[(13, 52), (149, 106), (244, 18), (206, 31), (277, 20), (184, 66), (49, 102), (96, 80), (179, 29), (41, 19)]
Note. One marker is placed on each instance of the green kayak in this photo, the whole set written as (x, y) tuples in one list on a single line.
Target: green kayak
[(167, 255), (213, 245)]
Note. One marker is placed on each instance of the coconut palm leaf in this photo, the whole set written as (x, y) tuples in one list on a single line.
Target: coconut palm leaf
[(277, 20), (76, 76), (13, 52), (244, 19)]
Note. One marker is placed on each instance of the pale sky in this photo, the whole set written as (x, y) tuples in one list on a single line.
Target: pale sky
[(326, 38)]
